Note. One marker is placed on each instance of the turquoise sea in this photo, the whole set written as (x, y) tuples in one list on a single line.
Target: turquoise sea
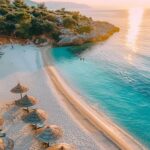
[(115, 75)]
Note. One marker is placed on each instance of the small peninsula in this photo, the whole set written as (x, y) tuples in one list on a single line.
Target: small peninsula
[(37, 24)]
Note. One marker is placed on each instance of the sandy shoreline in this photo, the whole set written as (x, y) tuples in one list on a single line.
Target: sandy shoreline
[(56, 98), (79, 108), (27, 68)]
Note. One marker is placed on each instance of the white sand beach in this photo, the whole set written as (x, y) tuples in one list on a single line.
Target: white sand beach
[(25, 64)]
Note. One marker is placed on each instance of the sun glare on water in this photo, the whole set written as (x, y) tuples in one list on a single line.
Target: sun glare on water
[(135, 20)]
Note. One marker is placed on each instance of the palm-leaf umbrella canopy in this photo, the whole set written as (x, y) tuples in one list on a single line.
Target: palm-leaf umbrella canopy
[(49, 133), (1, 121), (36, 116), (61, 146), (26, 101), (19, 89), (6, 144)]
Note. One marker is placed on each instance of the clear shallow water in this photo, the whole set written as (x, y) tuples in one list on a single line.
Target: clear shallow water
[(115, 75)]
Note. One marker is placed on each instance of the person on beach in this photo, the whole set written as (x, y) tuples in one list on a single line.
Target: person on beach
[(82, 59)]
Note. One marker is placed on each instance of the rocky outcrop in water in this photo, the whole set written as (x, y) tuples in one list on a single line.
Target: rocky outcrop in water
[(101, 31)]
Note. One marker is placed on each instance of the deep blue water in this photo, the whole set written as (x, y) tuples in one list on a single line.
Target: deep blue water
[(113, 77)]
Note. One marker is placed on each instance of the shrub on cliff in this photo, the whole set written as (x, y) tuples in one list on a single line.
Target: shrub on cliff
[(69, 22), (19, 4), (84, 29), (39, 26), (4, 2), (18, 19)]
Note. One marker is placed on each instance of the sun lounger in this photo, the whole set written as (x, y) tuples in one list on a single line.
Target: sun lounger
[(1, 53), (26, 109), (39, 125), (2, 134)]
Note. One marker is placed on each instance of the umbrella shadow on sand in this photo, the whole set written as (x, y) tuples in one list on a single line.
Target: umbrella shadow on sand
[(12, 113), (26, 102), (20, 132), (36, 117), (49, 134)]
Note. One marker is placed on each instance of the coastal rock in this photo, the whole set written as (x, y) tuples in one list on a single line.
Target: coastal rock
[(101, 31), (59, 20), (66, 32)]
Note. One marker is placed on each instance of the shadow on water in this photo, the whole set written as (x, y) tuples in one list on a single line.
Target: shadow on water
[(72, 52)]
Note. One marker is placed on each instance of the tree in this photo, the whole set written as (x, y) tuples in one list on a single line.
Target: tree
[(11, 17), (22, 21), (48, 26), (3, 11), (4, 2), (36, 26), (69, 22), (76, 15), (40, 26), (84, 29), (50, 17), (41, 6), (10, 28), (56, 34), (19, 4), (62, 10), (23, 30), (2, 25)]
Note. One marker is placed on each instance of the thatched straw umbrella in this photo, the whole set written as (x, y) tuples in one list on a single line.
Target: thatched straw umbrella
[(19, 89), (26, 101), (49, 133), (6, 144), (35, 117), (61, 146)]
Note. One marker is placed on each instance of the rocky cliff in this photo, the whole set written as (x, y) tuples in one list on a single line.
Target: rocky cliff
[(100, 32)]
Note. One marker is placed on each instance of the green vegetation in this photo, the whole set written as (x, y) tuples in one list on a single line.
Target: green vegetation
[(84, 29), (69, 22), (22, 21)]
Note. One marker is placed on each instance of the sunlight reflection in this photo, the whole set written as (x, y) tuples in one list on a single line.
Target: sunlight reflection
[(135, 19), (129, 59)]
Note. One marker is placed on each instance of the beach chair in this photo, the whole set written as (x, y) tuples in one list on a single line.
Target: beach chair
[(2, 134), (38, 126)]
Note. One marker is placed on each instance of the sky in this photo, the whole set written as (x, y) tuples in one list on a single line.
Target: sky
[(109, 3)]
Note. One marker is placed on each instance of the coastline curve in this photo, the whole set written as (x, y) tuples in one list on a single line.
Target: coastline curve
[(121, 138)]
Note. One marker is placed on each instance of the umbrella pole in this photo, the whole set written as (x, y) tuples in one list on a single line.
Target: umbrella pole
[(21, 95), (27, 109)]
